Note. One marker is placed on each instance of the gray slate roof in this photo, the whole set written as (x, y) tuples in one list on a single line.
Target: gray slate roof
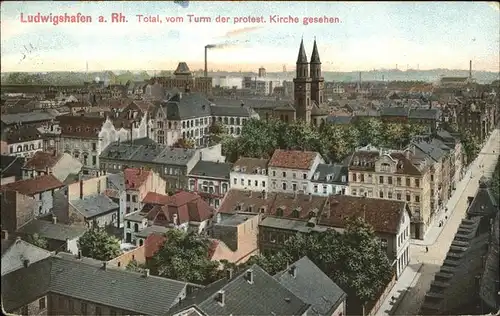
[(336, 170), (86, 281), (266, 296), (394, 111), (94, 205), (15, 252), (434, 148), (237, 111), (29, 117), (155, 153), (253, 103), (484, 203), (430, 114), (116, 181), (291, 225), (151, 230), (50, 230), (218, 170), (339, 120), (312, 286), (185, 106)]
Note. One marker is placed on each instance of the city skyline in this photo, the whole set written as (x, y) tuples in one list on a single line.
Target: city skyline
[(369, 36)]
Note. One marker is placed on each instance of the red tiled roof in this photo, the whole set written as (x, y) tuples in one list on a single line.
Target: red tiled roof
[(153, 243), (42, 160), (293, 159), (135, 177), (33, 186), (155, 198), (80, 126), (383, 215), (199, 210), (182, 198)]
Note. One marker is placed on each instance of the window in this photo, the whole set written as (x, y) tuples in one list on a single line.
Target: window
[(235, 181), (381, 179), (353, 177), (408, 182), (398, 181), (128, 224), (134, 198), (274, 173), (296, 214), (128, 197), (381, 194), (389, 195), (94, 160), (325, 189), (398, 196), (362, 177), (249, 182), (383, 243), (417, 183), (242, 181), (294, 187), (41, 303), (98, 310), (353, 192), (389, 180), (279, 212), (408, 198), (432, 177), (283, 185), (136, 227), (304, 176), (315, 189), (284, 174), (94, 146), (417, 198), (263, 184)]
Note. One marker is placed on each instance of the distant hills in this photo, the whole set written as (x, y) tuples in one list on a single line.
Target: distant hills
[(122, 76)]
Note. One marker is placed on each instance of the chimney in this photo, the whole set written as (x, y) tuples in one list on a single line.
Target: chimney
[(104, 265), (293, 271), (470, 69), (79, 254), (145, 273), (220, 297), (229, 274), (26, 263), (206, 63), (5, 234), (81, 189), (249, 276), (54, 219)]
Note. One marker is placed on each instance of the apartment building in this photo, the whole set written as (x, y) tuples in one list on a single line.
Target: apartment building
[(250, 174), (394, 175)]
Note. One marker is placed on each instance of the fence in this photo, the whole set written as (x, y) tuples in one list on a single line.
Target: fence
[(373, 307)]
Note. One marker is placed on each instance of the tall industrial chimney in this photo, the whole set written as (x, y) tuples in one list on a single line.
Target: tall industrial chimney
[(470, 69), (206, 63)]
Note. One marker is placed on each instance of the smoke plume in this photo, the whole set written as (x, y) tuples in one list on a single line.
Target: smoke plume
[(242, 31)]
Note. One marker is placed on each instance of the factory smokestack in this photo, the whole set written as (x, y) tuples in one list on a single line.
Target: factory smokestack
[(470, 69), (207, 47)]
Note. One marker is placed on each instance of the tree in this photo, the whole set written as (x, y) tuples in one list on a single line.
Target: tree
[(133, 265), (98, 244), (217, 132), (184, 257), (470, 144), (185, 143), (36, 240)]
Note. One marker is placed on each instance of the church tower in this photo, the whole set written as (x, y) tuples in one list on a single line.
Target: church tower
[(302, 86), (318, 82)]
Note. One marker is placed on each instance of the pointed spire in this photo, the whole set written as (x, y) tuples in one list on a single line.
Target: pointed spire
[(315, 54), (302, 58)]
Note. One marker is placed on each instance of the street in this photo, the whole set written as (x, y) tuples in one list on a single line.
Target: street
[(423, 265)]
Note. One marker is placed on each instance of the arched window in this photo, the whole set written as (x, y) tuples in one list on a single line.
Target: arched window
[(141, 242), (232, 121), (19, 148), (136, 227), (25, 147), (32, 147), (183, 124), (232, 130)]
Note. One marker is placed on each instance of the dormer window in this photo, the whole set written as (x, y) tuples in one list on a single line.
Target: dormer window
[(316, 175), (263, 171), (330, 177), (279, 211), (237, 169), (263, 209), (296, 213), (243, 169), (239, 206)]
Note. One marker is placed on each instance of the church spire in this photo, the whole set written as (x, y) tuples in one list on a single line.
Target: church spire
[(302, 58), (315, 54)]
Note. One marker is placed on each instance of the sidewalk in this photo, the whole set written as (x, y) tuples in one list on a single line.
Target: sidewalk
[(406, 280), (434, 232)]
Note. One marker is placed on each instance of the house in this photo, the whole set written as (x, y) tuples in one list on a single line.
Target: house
[(329, 179), (238, 293), (35, 118), (16, 251), (250, 174), (292, 170), (211, 181), (232, 117), (173, 164), (304, 279), (395, 175), (184, 210), (53, 286), (41, 189), (60, 237), (390, 219), (138, 183), (59, 165), (235, 236), (23, 141)]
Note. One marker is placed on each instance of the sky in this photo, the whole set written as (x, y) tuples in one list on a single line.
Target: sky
[(369, 35)]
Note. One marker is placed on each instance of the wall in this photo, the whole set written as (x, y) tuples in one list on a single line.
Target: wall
[(17, 210), (65, 305), (276, 178), (72, 246), (37, 307), (374, 307), (90, 187), (340, 310), (138, 254), (7, 180), (65, 166), (261, 179), (25, 149)]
